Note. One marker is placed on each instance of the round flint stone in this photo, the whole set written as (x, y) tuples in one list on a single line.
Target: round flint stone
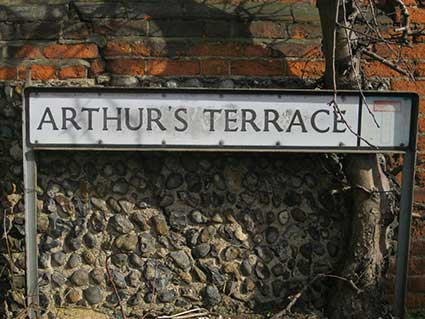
[(119, 260), (198, 217), (127, 243), (272, 235), (74, 295), (121, 224), (93, 295), (212, 295), (58, 258), (181, 259), (90, 240), (167, 296), (298, 215), (201, 250), (80, 277), (74, 261), (135, 261), (97, 276), (173, 181)]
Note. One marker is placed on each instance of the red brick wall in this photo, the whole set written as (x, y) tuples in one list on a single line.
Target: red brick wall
[(274, 43)]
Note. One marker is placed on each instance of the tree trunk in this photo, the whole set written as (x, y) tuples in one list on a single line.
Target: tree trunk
[(363, 260)]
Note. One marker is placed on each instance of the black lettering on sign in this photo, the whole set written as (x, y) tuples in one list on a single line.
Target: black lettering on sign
[(297, 120), (156, 119), (314, 124), (181, 120), (107, 118), (250, 120), (47, 118), (89, 116), (128, 119), (212, 113), (71, 119), (273, 120), (339, 120), (228, 120)]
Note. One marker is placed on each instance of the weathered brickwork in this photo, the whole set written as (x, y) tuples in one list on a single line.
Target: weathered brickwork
[(187, 221)]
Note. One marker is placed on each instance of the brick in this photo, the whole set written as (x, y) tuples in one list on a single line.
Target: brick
[(97, 67), (418, 249), (419, 195), (135, 10), (417, 15), (418, 229), (8, 73), (8, 31), (173, 67), (306, 69), (386, 51), (225, 49), (66, 51), (39, 72), (377, 69), (176, 28), (126, 66), (403, 85), (269, 67), (26, 51), (218, 10), (38, 31), (421, 124), (420, 143), (420, 177), (416, 266), (267, 29), (168, 48), (75, 30), (152, 10), (265, 11), (124, 48), (305, 12), (420, 69), (90, 10), (120, 27), (219, 28), (417, 51), (300, 49), (19, 13), (72, 72), (420, 158), (304, 31), (422, 105), (256, 50), (415, 300), (214, 67)]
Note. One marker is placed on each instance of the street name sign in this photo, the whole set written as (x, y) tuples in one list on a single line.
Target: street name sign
[(207, 119)]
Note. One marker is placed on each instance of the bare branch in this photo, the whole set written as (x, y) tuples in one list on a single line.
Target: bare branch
[(385, 62)]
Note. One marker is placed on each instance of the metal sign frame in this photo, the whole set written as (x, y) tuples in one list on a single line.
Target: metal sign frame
[(409, 151)]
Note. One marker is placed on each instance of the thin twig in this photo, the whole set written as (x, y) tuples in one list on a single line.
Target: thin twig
[(187, 314), (114, 287), (356, 75), (385, 62), (297, 296)]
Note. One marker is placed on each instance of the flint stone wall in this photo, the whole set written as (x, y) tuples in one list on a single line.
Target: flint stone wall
[(238, 232)]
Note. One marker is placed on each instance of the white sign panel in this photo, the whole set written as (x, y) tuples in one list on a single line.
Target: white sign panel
[(211, 119)]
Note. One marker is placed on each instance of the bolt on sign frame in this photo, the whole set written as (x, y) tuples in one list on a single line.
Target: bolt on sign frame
[(218, 120)]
